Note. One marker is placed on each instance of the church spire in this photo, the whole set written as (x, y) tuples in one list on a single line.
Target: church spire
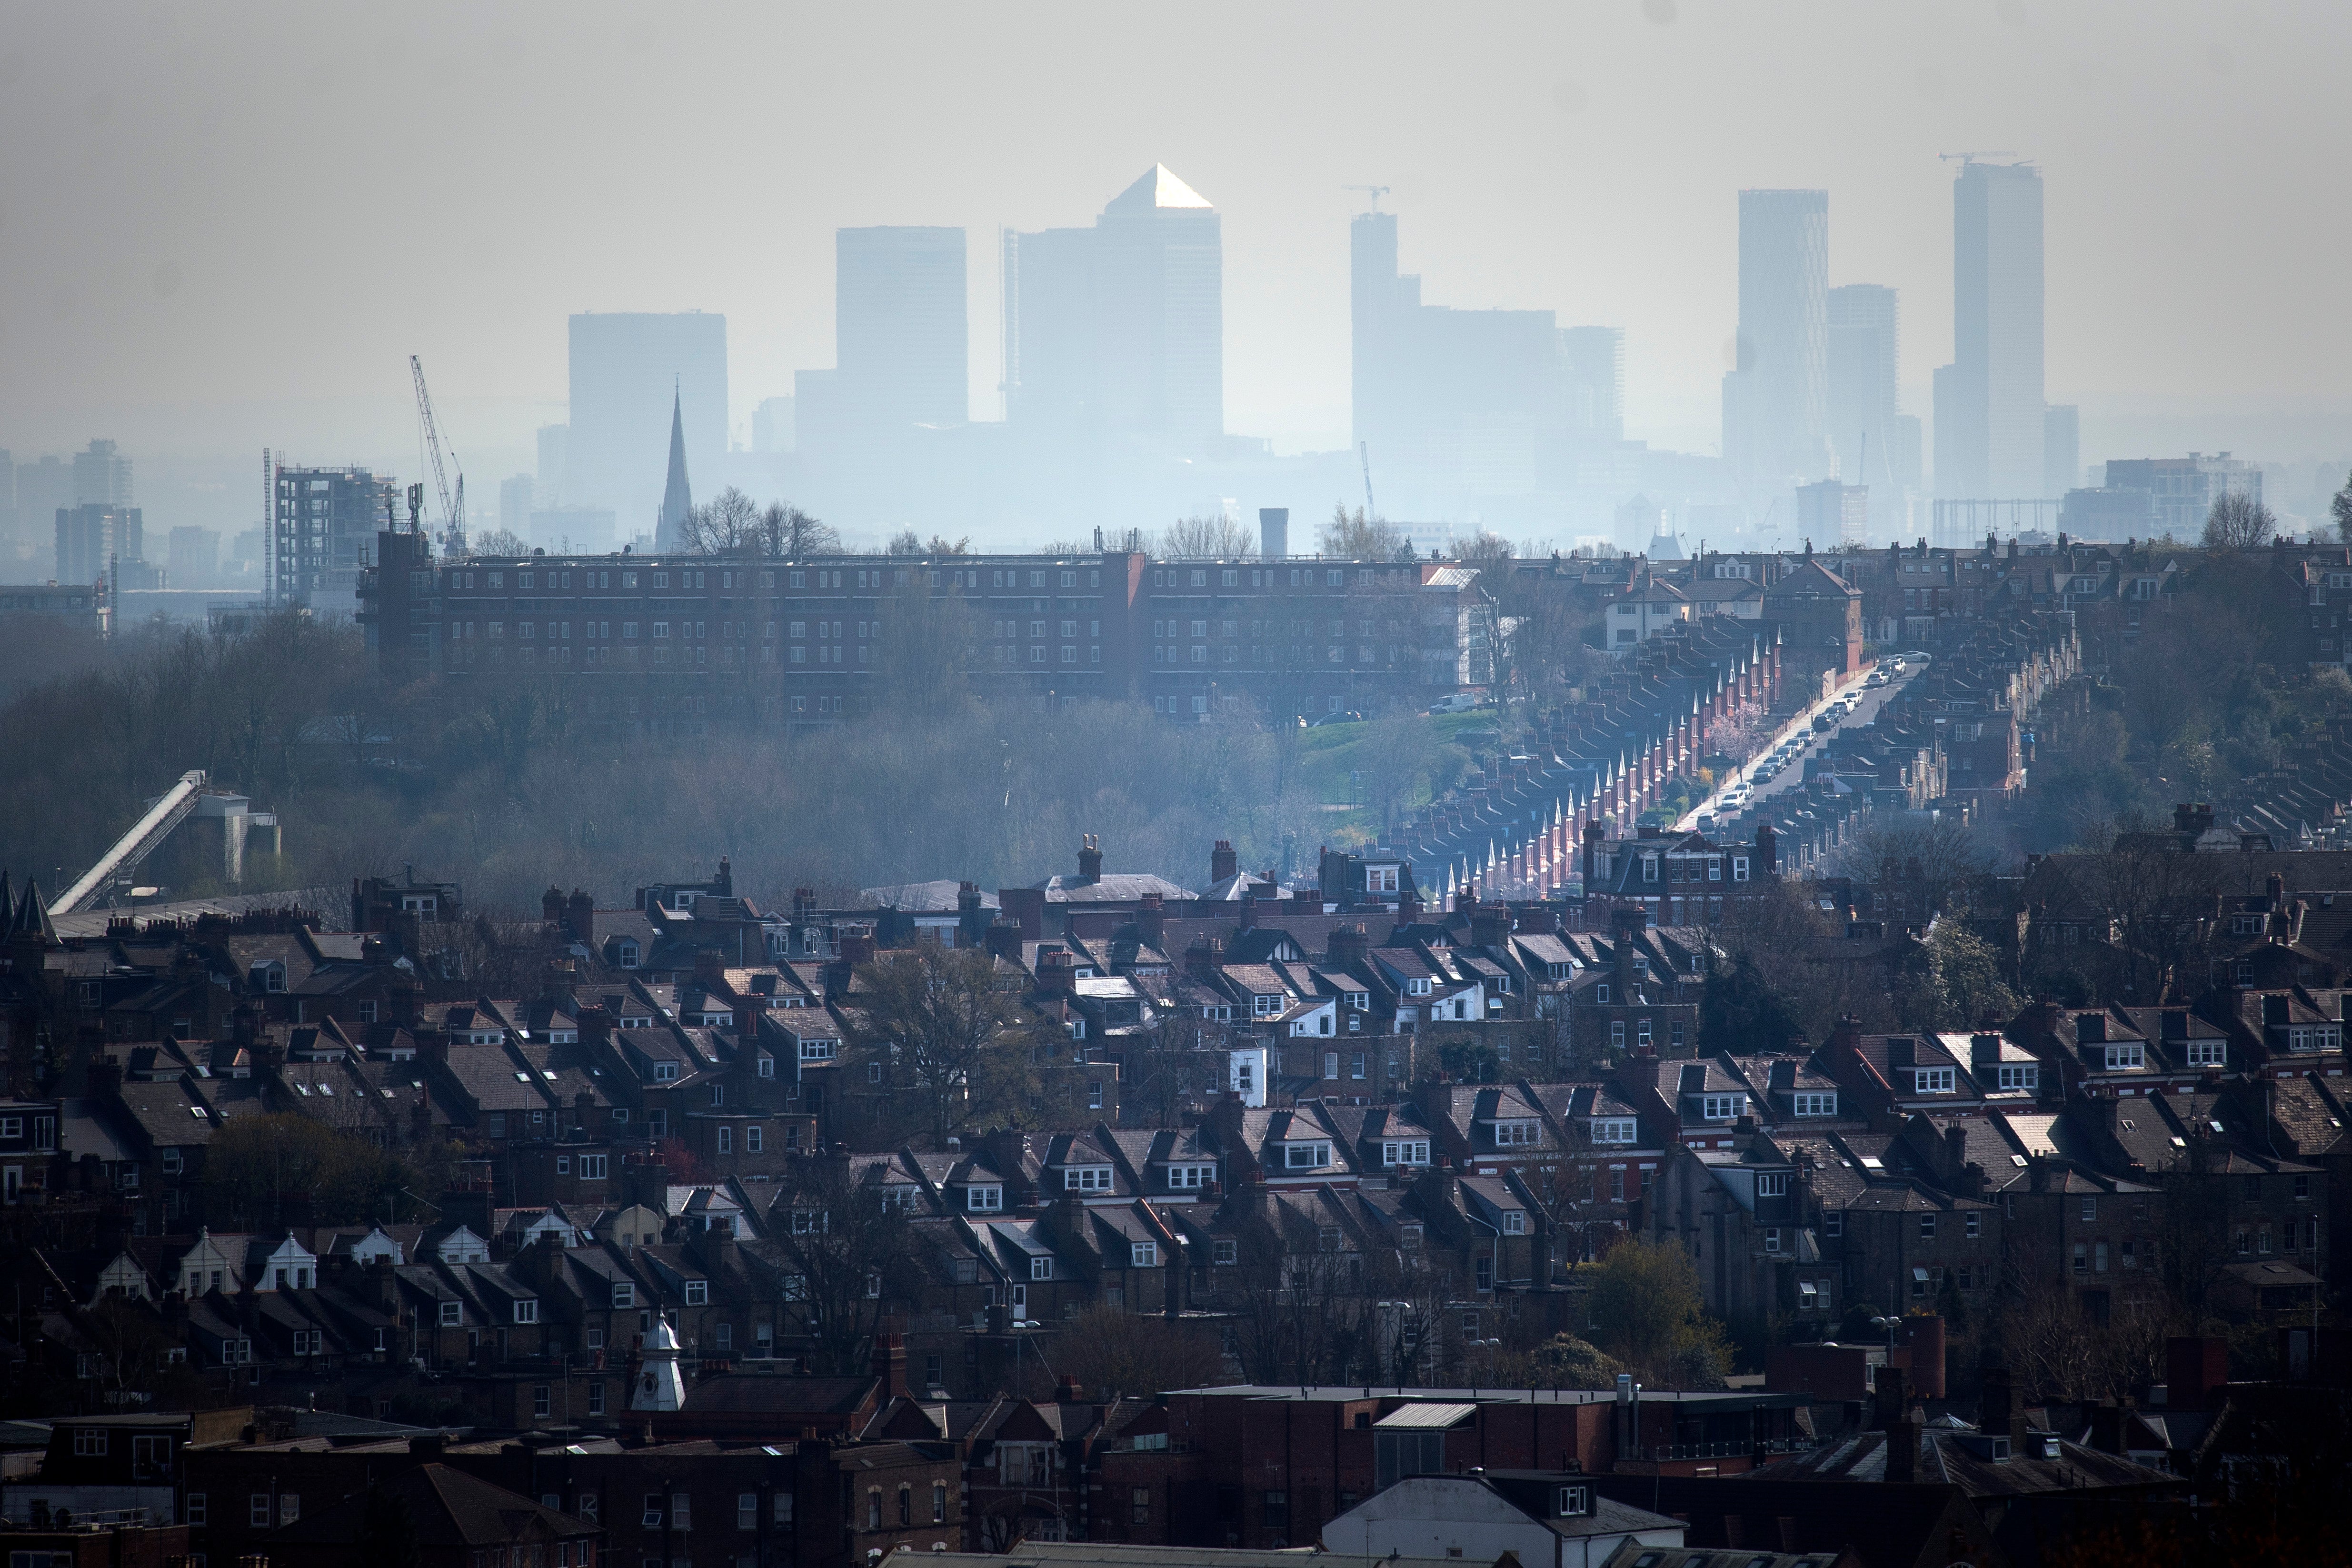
[(678, 498)]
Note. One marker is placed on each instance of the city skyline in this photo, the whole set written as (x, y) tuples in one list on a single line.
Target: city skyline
[(1624, 233)]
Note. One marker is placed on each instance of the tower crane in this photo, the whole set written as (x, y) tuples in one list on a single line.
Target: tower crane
[(1372, 194), (453, 511)]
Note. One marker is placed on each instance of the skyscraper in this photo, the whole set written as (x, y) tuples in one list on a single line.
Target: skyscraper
[(1864, 367), (1594, 358), (95, 537), (1775, 399), (1159, 311), (1120, 329), (1458, 402), (1988, 408), (101, 476), (621, 364), (2062, 448), (900, 340)]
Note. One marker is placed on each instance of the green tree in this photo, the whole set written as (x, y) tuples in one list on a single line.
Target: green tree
[(1961, 986), (285, 1169), (1562, 1361), (1648, 1313), (1742, 1011)]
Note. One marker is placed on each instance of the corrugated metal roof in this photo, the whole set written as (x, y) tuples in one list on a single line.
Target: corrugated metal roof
[(1427, 1415)]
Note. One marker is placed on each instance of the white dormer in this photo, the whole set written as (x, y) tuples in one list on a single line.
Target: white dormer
[(1515, 1131), (293, 1267), (462, 1246), (984, 1197), (1085, 1178), (1305, 1154), (376, 1247)]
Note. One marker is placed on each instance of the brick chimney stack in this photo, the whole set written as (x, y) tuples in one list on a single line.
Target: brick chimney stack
[(890, 1364), (551, 905), (580, 917), (1349, 945), (1902, 1431), (972, 918), (1223, 864), (1201, 959), (1090, 859), (1004, 938), (1057, 973), (1151, 918)]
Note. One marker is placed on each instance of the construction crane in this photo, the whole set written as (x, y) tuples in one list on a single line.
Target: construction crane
[(1364, 451), (453, 511), (1372, 194), (1970, 157)]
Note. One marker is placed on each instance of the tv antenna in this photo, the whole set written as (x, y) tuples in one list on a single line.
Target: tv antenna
[(1372, 194)]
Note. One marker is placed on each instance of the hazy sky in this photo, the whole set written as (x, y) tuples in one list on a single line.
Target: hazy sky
[(226, 225)]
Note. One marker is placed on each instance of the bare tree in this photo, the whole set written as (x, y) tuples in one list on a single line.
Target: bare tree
[(951, 1041), (788, 533), (847, 1257), (727, 524), (2340, 507), (2238, 522), (1208, 537), (1354, 536), (498, 542), (1182, 1055)]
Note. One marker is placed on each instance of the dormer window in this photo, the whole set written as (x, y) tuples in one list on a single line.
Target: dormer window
[(1771, 1184), (1515, 1222), (989, 1199), (1514, 1135), (665, 1072), (1615, 1130), (1085, 1178), (819, 1050), (1721, 1106), (1933, 1080), (1265, 1007), (1405, 1152), (1380, 879), (626, 954), (2027, 1076), (1812, 1104), (1306, 1156), (1416, 987), (1144, 1255)]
